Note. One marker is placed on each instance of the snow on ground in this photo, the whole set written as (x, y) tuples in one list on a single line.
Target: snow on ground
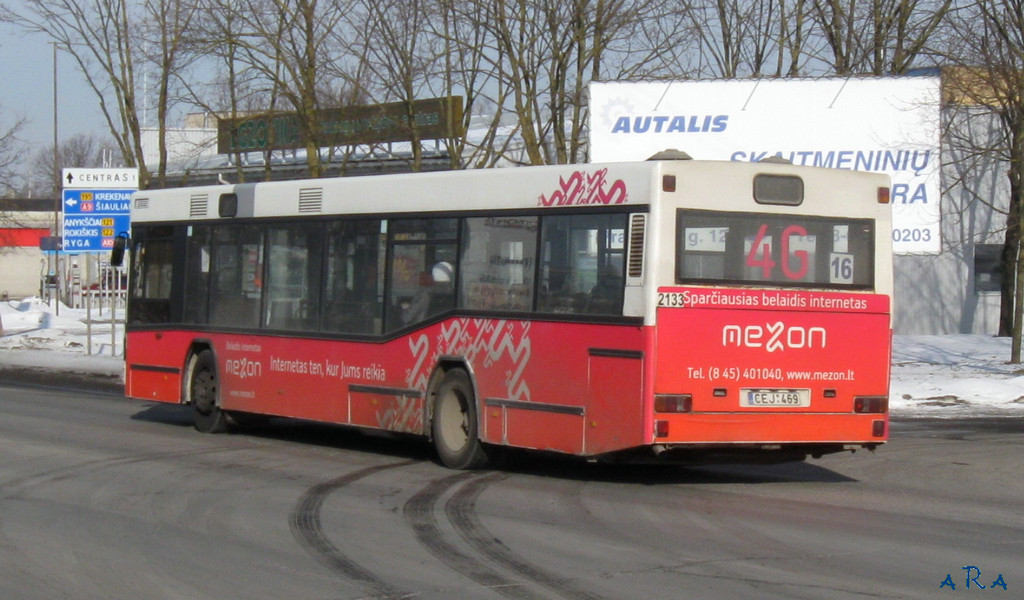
[(932, 376), (34, 334), (955, 376)]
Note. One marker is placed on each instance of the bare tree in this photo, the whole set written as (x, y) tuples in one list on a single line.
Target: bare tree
[(398, 52), (903, 31), (877, 37), (794, 23), (987, 40), (11, 152), (78, 151), (764, 38), (468, 70), (167, 24), (293, 45), (236, 89), (11, 149), (99, 36), (732, 33), (540, 55)]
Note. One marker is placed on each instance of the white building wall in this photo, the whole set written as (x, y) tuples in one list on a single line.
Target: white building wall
[(936, 294), (21, 268), (20, 272)]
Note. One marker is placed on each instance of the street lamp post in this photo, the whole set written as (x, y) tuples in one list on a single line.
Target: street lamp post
[(56, 191)]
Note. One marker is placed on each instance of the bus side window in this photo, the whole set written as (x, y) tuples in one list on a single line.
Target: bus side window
[(582, 265), (237, 283), (423, 258), (294, 257), (153, 258), (354, 288), (498, 260), (197, 275)]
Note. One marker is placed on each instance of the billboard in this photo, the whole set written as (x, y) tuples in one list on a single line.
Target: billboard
[(885, 124)]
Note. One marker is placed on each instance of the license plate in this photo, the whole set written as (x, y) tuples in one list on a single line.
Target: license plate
[(775, 398)]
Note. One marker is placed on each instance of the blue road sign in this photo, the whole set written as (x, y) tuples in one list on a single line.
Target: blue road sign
[(93, 218)]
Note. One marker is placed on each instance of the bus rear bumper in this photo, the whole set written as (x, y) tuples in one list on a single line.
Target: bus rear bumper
[(752, 427), (762, 437), (723, 454)]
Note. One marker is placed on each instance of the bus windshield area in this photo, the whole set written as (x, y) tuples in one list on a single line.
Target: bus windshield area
[(774, 249)]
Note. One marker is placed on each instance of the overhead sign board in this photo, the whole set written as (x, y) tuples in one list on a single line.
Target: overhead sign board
[(432, 118), (96, 205), (883, 124)]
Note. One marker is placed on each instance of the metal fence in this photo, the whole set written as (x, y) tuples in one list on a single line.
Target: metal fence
[(88, 283)]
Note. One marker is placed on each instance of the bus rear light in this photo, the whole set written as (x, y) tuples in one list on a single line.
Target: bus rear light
[(870, 404), (883, 195), (830, 393), (674, 403), (661, 429), (720, 392), (878, 428)]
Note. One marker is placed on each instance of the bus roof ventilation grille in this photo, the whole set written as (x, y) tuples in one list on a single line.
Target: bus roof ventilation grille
[(198, 205), (635, 267), (311, 200)]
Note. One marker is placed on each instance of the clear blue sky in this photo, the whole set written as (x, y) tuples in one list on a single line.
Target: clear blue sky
[(26, 90)]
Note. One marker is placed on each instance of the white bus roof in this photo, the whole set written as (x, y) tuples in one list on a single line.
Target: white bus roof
[(523, 188)]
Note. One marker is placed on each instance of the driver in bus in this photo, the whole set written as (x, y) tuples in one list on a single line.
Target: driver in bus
[(432, 284), (416, 308)]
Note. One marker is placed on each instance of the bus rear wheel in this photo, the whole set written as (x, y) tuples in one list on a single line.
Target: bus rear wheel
[(454, 426), (202, 394)]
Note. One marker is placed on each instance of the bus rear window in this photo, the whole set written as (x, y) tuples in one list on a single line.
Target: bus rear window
[(774, 249)]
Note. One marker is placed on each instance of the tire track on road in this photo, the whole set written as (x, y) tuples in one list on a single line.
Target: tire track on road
[(14, 489), (419, 512), (461, 511), (306, 527)]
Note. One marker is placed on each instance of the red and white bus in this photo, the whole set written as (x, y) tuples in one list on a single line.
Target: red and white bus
[(677, 310)]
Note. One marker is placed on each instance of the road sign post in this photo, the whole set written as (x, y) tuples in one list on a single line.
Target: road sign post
[(96, 205), (93, 218)]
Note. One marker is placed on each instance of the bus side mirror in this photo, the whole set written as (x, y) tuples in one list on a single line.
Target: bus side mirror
[(117, 254)]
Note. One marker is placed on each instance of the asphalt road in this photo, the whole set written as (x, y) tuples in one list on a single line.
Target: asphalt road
[(107, 498)]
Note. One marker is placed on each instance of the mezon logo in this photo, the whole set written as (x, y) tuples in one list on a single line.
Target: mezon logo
[(243, 367), (774, 336)]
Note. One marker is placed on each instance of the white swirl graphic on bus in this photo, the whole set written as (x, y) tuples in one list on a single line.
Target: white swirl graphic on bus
[(481, 341), (582, 189), (774, 336)]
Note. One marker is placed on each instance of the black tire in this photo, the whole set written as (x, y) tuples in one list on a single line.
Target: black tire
[(454, 425), (202, 394)]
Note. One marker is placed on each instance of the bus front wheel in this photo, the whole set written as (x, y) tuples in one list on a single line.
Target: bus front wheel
[(454, 426), (202, 394)]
